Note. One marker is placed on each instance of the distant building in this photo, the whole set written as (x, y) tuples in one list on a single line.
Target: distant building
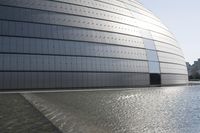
[(189, 68), (198, 72), (194, 70)]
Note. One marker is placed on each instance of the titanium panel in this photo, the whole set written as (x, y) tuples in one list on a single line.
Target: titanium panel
[(82, 43)]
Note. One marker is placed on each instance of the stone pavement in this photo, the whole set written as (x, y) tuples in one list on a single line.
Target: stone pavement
[(17, 115)]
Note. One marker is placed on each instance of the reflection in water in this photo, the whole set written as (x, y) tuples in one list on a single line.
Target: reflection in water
[(160, 110)]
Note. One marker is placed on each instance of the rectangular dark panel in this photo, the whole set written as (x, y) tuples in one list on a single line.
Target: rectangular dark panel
[(155, 79)]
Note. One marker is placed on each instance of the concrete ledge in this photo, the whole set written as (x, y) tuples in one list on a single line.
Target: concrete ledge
[(17, 115)]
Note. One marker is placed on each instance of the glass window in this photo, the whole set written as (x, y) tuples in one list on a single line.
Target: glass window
[(154, 67), (149, 44), (152, 55)]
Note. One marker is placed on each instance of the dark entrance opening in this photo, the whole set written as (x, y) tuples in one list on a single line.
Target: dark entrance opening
[(155, 79)]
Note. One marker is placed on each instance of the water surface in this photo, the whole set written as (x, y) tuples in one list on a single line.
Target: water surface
[(150, 110)]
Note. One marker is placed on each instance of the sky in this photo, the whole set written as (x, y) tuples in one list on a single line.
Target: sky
[(182, 17)]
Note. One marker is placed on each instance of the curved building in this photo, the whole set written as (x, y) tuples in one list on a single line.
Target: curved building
[(85, 44)]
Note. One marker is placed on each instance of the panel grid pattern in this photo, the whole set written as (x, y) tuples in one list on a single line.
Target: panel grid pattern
[(84, 43)]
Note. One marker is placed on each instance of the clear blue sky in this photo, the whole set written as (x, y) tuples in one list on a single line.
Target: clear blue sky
[(182, 17)]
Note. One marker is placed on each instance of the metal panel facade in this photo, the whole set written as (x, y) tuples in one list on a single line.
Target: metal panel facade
[(84, 43)]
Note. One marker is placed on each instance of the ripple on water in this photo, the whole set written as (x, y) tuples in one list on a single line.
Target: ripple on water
[(153, 110)]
